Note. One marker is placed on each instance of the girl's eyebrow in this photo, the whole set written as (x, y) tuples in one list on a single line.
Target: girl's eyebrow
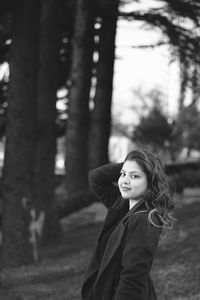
[(134, 172), (131, 172)]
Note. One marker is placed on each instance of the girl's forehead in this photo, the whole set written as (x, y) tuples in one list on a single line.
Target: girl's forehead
[(132, 166)]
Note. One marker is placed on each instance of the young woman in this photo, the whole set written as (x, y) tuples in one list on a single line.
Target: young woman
[(138, 214)]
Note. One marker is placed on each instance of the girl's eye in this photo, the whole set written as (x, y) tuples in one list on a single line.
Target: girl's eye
[(134, 176), (123, 174)]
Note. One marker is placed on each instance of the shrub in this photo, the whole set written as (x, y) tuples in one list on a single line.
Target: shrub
[(187, 178)]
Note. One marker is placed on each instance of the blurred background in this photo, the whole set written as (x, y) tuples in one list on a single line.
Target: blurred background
[(83, 82)]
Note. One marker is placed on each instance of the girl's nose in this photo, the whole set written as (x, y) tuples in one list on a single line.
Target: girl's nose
[(126, 179)]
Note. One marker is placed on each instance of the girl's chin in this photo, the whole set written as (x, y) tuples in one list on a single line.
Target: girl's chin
[(125, 196), (131, 197)]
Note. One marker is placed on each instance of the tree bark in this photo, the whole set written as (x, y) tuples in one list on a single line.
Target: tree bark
[(68, 20), (101, 115), (195, 84), (78, 123), (20, 138), (50, 39), (183, 83)]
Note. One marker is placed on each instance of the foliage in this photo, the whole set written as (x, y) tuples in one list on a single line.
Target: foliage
[(157, 132), (171, 18), (185, 42), (184, 174), (178, 21), (179, 167), (188, 178), (189, 122), (153, 130)]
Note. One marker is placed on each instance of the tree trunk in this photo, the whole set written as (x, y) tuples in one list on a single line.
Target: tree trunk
[(68, 16), (196, 85), (77, 129), (183, 83), (101, 115), (46, 134), (20, 138)]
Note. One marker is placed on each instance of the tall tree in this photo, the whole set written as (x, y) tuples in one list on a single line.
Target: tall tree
[(50, 39), (196, 84), (101, 114), (153, 131), (21, 129), (67, 22), (78, 123), (172, 18), (190, 128), (184, 79)]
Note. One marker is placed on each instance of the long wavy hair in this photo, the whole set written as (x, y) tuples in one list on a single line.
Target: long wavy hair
[(158, 197)]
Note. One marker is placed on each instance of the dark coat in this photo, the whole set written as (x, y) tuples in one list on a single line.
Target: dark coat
[(122, 272)]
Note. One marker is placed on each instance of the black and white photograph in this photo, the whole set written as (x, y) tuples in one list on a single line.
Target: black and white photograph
[(99, 150)]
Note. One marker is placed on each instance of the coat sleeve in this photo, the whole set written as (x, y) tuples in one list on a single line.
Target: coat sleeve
[(137, 257), (102, 182)]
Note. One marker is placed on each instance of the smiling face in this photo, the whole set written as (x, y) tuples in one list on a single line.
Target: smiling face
[(133, 181)]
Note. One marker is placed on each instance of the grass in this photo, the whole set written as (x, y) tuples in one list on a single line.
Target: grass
[(59, 273), (177, 267)]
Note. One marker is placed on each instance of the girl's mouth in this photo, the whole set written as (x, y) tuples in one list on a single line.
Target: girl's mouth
[(125, 189)]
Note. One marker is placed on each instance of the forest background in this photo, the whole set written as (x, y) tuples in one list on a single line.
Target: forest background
[(61, 59)]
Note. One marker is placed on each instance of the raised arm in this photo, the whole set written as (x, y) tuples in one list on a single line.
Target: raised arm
[(102, 182)]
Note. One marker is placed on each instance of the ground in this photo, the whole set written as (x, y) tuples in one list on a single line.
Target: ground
[(59, 273)]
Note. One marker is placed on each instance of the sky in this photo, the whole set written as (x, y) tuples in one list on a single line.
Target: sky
[(143, 69), (3, 70)]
